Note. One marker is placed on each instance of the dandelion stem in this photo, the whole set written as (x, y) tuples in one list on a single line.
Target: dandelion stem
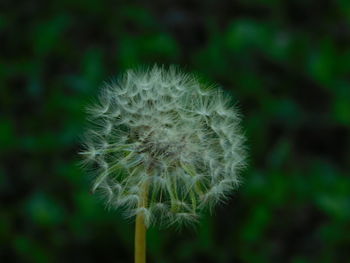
[(140, 228)]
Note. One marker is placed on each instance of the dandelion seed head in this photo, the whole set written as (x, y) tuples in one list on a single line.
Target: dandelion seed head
[(162, 128)]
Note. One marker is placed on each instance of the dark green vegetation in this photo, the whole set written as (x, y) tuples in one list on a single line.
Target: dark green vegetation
[(287, 63)]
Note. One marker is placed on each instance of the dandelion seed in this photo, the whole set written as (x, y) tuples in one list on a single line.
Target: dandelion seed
[(159, 126)]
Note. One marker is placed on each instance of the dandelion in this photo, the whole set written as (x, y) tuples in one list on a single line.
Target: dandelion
[(163, 147)]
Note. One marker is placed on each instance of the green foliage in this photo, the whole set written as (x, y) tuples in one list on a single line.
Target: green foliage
[(287, 63)]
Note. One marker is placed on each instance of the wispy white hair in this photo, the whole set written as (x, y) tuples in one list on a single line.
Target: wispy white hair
[(163, 128)]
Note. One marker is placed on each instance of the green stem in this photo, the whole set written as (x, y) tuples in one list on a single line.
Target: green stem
[(140, 229)]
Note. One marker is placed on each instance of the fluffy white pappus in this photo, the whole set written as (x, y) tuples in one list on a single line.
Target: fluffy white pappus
[(164, 132)]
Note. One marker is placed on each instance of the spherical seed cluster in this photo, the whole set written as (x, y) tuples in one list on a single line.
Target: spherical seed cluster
[(163, 146)]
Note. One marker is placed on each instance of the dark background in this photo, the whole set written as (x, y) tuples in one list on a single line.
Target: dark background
[(286, 64)]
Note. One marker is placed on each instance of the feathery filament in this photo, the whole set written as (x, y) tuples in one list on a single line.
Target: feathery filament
[(161, 128)]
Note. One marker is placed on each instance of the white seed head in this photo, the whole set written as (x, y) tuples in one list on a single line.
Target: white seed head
[(163, 129)]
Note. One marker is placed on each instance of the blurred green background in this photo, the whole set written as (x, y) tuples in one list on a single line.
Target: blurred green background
[(286, 63)]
